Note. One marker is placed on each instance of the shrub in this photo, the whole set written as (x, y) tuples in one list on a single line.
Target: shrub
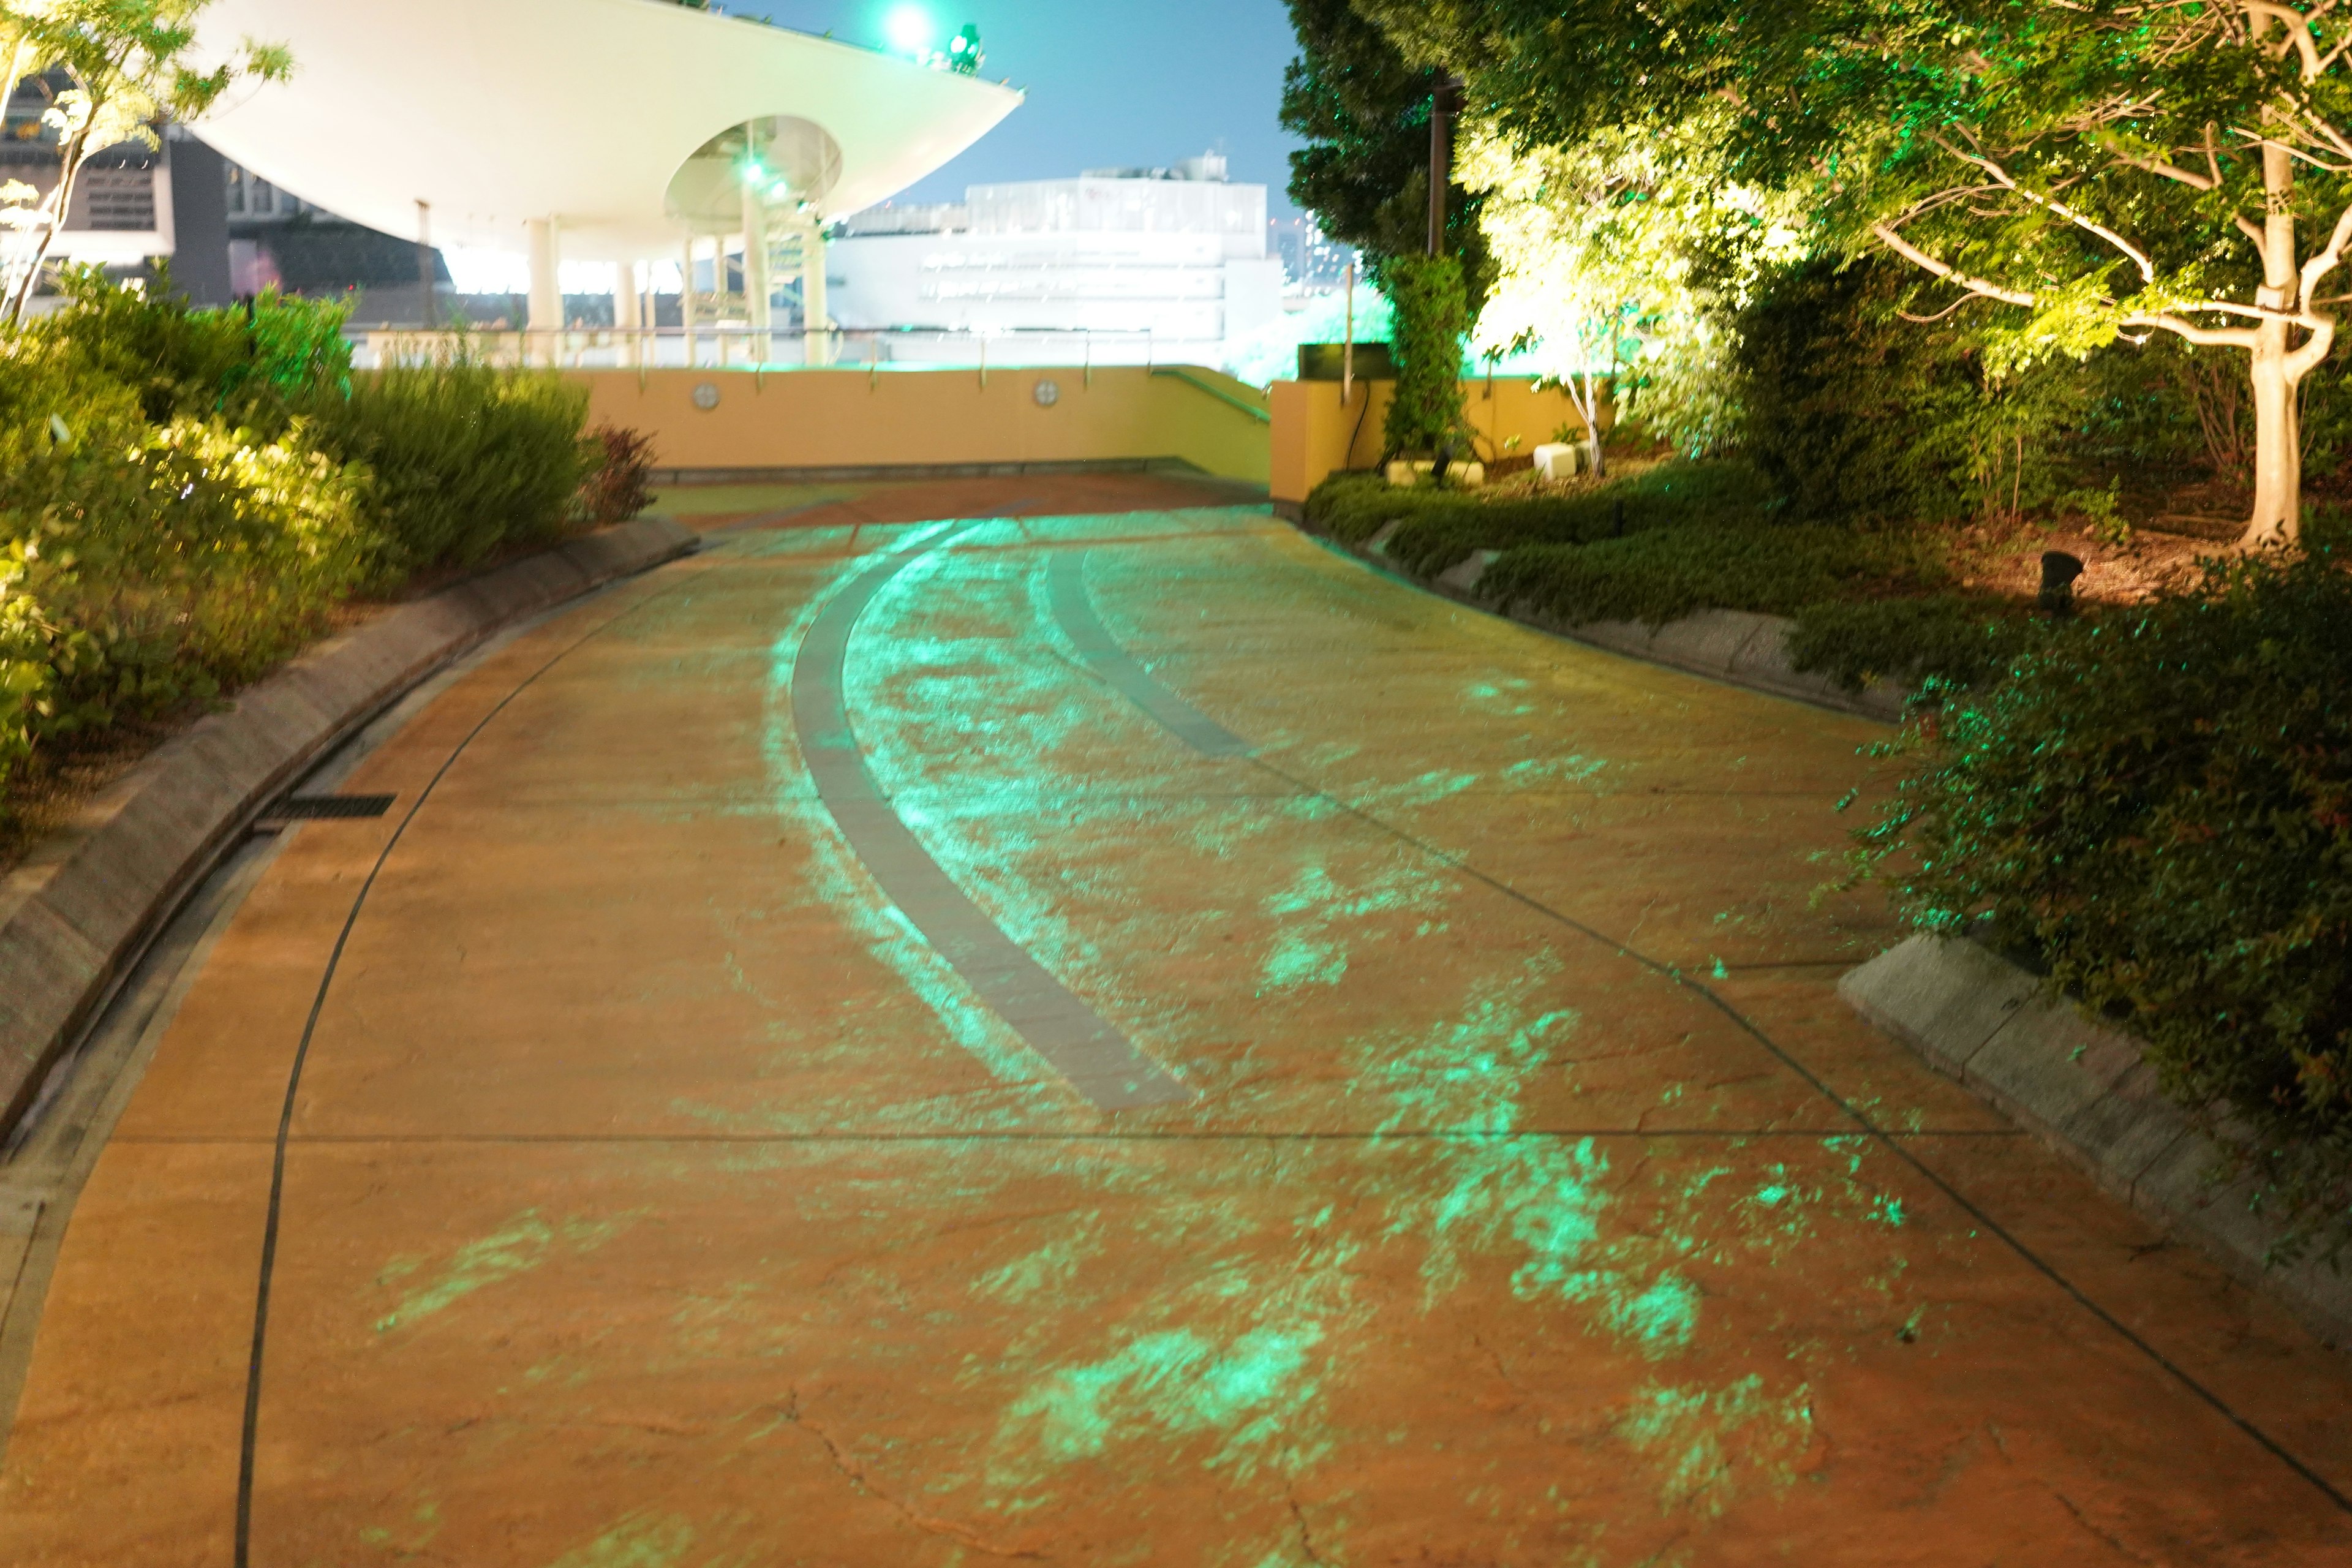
[(467, 460), (148, 563), (1665, 574), (2158, 808), (1443, 527), (244, 365), (1953, 638), (620, 486)]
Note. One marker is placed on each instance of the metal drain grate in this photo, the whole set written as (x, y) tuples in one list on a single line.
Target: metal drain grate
[(329, 808)]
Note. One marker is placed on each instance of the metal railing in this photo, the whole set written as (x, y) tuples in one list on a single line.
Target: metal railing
[(736, 346)]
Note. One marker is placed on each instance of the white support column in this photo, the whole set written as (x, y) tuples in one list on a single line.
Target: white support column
[(686, 300), (815, 318), (626, 318), (546, 290), (759, 288)]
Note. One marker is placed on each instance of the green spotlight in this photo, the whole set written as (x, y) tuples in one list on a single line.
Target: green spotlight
[(963, 50)]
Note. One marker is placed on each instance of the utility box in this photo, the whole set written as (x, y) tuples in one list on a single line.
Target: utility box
[(1320, 361)]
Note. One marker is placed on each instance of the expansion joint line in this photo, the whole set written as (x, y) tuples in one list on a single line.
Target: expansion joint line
[(1119, 670), (271, 1226), (1088, 1052)]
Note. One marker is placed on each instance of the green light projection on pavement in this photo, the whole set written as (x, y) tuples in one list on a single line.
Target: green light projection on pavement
[(523, 1243), (639, 1541), (1059, 809)]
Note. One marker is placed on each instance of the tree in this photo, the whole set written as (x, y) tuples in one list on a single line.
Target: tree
[(1616, 263), (2123, 168), (130, 63), (2108, 168), (1364, 172)]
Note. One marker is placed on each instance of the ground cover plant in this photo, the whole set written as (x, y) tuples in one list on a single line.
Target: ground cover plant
[(1679, 537), (189, 497), (2157, 809)]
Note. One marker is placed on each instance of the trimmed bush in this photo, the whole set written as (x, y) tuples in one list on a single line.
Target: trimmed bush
[(186, 496), (2157, 809), (467, 460), (1955, 638)]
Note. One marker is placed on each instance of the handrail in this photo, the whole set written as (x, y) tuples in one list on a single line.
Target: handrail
[(1213, 390)]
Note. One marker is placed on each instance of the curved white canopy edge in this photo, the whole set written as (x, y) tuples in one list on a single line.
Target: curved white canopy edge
[(498, 112)]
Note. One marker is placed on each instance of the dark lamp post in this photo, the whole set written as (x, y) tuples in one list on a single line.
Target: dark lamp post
[(1444, 105)]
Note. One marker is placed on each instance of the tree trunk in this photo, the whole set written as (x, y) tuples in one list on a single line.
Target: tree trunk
[(2278, 439), (71, 153), (2278, 446)]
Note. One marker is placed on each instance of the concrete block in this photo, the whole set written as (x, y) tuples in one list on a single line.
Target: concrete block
[(1710, 641), (1944, 998), (1559, 459), (1468, 476), (1462, 577), (2125, 1130), (2086, 1089)]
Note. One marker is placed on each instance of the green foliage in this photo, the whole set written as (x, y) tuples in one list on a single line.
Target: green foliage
[(467, 460), (1665, 573), (249, 366), (1440, 528), (185, 496), (1953, 639), (133, 64), (1844, 410), (1363, 114), (144, 563), (1430, 320), (2158, 807), (1655, 547), (620, 486)]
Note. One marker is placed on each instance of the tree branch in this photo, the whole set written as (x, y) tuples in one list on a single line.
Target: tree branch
[(1944, 270), (2079, 220)]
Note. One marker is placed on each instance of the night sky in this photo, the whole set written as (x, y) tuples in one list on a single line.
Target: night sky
[(1109, 82)]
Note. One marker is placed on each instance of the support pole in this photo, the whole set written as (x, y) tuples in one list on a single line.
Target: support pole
[(817, 323), (1444, 105), (424, 274), (626, 319), (686, 300), (759, 290), (546, 291)]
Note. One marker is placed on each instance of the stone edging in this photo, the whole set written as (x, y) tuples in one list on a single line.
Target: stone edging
[(2084, 1091), (1730, 645), (77, 913)]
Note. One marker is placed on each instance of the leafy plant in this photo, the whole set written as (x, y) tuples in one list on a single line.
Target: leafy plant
[(467, 459), (1431, 319), (2159, 808), (620, 486)]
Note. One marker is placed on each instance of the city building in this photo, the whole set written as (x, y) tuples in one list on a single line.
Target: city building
[(1312, 262), (1147, 264)]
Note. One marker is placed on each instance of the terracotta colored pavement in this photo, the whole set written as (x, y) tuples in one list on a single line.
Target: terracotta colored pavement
[(656, 1195)]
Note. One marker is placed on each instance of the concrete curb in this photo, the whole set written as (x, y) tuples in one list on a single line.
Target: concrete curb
[(910, 472), (1730, 645), (75, 915), (2084, 1091)]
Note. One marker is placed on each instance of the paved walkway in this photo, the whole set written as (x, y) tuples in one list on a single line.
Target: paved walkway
[(1115, 1038)]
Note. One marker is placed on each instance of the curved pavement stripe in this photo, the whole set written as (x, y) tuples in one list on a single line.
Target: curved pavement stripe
[(1099, 1062), (1066, 580)]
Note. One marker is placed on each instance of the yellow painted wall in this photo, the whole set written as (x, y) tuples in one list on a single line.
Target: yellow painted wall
[(854, 418), (1315, 434)]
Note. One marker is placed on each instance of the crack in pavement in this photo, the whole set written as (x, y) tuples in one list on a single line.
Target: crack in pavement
[(855, 1474)]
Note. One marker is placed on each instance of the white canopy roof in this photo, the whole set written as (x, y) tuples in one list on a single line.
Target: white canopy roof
[(501, 111)]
